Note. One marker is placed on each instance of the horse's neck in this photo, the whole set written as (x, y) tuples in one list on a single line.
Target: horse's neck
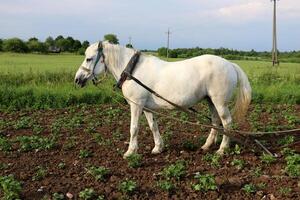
[(117, 59)]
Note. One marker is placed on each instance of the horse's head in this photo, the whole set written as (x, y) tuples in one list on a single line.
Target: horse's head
[(92, 66)]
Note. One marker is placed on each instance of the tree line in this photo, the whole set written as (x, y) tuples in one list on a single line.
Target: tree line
[(231, 54), (50, 45)]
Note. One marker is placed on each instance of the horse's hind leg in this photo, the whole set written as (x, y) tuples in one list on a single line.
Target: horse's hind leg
[(226, 119), (136, 112), (158, 148), (212, 137)]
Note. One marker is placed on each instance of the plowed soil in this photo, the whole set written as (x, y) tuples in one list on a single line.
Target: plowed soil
[(78, 127)]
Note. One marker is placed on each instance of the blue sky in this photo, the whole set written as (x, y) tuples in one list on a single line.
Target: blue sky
[(237, 24)]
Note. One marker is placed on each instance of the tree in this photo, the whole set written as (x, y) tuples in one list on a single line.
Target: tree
[(15, 45), (49, 42), (162, 51), (1, 44), (111, 38), (76, 45), (85, 44), (34, 45), (129, 46)]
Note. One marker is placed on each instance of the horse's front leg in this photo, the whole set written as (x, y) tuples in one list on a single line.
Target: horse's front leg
[(136, 112), (158, 148)]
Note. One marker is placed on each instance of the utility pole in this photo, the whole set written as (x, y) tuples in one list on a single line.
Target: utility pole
[(274, 48), (168, 41), (129, 40)]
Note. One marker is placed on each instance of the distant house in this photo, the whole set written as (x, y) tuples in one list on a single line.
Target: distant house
[(54, 49)]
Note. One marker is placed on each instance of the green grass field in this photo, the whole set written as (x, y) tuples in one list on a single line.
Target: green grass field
[(46, 81)]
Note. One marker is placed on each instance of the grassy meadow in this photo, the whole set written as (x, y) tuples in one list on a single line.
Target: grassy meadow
[(46, 81)]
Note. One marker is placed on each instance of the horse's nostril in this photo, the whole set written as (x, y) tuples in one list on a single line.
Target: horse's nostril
[(76, 80)]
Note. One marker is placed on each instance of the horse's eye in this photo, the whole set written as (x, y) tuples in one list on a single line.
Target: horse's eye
[(89, 59)]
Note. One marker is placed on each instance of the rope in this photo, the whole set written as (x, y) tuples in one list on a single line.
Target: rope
[(246, 133)]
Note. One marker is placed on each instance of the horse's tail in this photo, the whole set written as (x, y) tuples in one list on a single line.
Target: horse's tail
[(243, 97)]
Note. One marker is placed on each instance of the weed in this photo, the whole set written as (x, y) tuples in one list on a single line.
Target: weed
[(189, 145), (99, 173), (37, 129), (127, 186), (3, 166), (288, 151), (39, 174), (23, 123), (285, 191), (5, 144), (293, 165), (84, 153), (166, 185), (239, 164), (213, 159), (134, 160), (166, 137), (58, 196), (28, 143), (205, 182), (268, 159), (61, 165), (87, 194), (177, 170), (261, 186), (10, 187), (257, 172), (289, 139), (71, 143), (249, 188), (236, 150)]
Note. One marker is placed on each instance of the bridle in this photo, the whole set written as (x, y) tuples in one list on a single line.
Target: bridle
[(92, 72)]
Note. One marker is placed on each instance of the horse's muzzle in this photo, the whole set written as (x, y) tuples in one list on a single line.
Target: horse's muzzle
[(81, 81)]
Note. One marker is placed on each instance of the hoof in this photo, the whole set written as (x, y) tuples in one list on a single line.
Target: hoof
[(128, 153), (157, 150), (220, 152), (204, 148)]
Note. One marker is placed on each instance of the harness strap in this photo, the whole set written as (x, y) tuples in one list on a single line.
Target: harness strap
[(127, 73)]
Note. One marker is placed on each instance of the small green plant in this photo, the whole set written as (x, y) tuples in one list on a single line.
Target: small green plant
[(165, 185), (239, 164), (177, 170), (5, 144), (23, 123), (10, 187), (284, 191), (236, 150), (39, 174), (205, 182), (58, 196), (288, 151), (249, 188), (189, 145), (37, 129), (134, 160), (166, 137), (28, 143), (293, 165), (289, 139), (213, 159), (257, 172), (87, 194), (61, 165), (99, 173), (84, 153), (268, 159), (127, 186), (3, 166)]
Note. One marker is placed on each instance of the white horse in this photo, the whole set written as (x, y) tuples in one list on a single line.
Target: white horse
[(184, 83)]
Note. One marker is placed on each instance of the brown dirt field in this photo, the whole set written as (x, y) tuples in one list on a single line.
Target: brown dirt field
[(113, 126)]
